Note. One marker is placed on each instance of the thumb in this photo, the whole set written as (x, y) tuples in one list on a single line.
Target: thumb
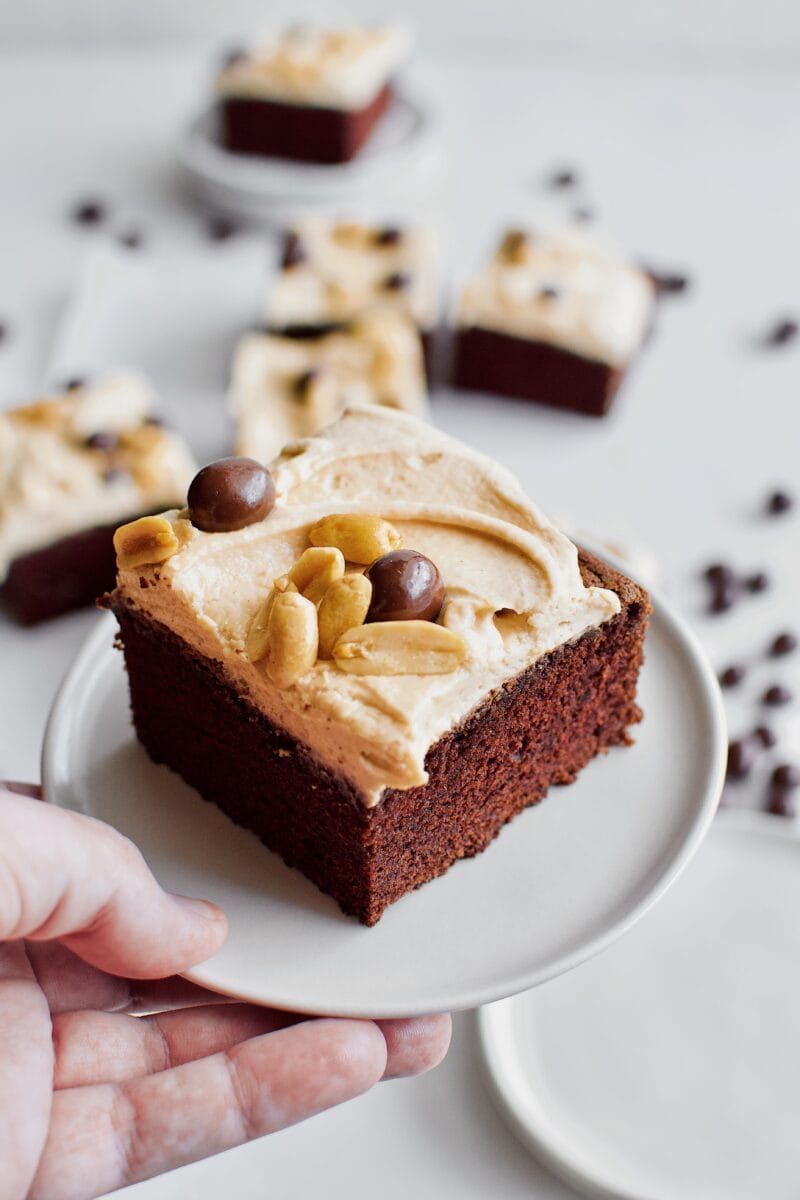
[(67, 876)]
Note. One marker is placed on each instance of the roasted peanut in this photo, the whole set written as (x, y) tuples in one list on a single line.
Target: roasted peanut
[(291, 638), (148, 540), (255, 646), (344, 606), (400, 648), (360, 537), (315, 570)]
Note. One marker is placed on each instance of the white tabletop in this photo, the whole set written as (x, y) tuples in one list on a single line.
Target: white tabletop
[(690, 166)]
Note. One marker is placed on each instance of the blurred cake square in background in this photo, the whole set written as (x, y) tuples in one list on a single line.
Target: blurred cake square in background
[(332, 271), (285, 388), (72, 467), (554, 317), (309, 93)]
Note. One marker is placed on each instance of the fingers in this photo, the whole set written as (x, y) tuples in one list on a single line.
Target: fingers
[(112, 1135), (96, 1047), (64, 875), (71, 984), (415, 1045), (26, 1067)]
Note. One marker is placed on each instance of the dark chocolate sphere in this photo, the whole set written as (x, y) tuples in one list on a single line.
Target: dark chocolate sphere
[(406, 586), (229, 494)]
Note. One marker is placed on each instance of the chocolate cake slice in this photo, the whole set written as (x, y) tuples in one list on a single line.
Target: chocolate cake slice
[(310, 94), (376, 654), (73, 466), (553, 318)]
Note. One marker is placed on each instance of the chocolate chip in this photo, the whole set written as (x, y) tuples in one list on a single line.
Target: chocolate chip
[(563, 178), (229, 494), (221, 229), (757, 582), (293, 252), (74, 384), (116, 475), (786, 777), (132, 239), (304, 382), (719, 573), (777, 695), (3, 331), (732, 675), (157, 422), (780, 803), (779, 502), (784, 643), (548, 293), (102, 440), (406, 586), (389, 236), (723, 597), (234, 55), (397, 281), (667, 283), (765, 736), (89, 212), (782, 331), (741, 756)]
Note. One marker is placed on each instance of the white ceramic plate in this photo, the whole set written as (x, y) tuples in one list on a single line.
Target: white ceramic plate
[(562, 881), (668, 1067), (404, 152)]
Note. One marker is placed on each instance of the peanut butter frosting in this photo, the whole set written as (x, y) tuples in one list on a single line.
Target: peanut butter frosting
[(89, 457), (343, 269), (514, 590), (559, 287), (288, 388), (327, 68)]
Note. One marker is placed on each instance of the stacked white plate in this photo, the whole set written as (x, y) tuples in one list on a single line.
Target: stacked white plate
[(401, 166)]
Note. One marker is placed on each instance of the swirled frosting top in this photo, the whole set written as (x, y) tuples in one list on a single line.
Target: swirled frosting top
[(514, 589), (92, 456), (559, 287), (328, 68)]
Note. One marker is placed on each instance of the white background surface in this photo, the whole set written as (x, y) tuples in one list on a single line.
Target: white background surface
[(691, 163)]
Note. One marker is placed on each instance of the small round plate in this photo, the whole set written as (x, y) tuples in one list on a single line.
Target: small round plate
[(404, 151), (560, 883), (668, 1066)]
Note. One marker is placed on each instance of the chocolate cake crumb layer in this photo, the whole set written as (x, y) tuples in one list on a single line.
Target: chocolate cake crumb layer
[(488, 361), (300, 132), (538, 730)]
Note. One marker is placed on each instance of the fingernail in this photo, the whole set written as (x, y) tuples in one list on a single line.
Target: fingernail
[(200, 908)]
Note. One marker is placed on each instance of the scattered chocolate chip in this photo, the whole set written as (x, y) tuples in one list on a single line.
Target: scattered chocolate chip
[(132, 239), (732, 675), (667, 283), (158, 422), (741, 756), (389, 236), (757, 582), (719, 573), (548, 293), (234, 55), (784, 643), (293, 252), (406, 586), (304, 382), (777, 695), (782, 331), (221, 229), (74, 384), (563, 178), (89, 212), (786, 777), (765, 736), (780, 803), (3, 331), (723, 597), (583, 215), (229, 494), (104, 439), (397, 281), (116, 475), (779, 502)]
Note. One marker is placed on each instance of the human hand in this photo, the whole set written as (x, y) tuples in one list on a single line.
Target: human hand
[(93, 1098)]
